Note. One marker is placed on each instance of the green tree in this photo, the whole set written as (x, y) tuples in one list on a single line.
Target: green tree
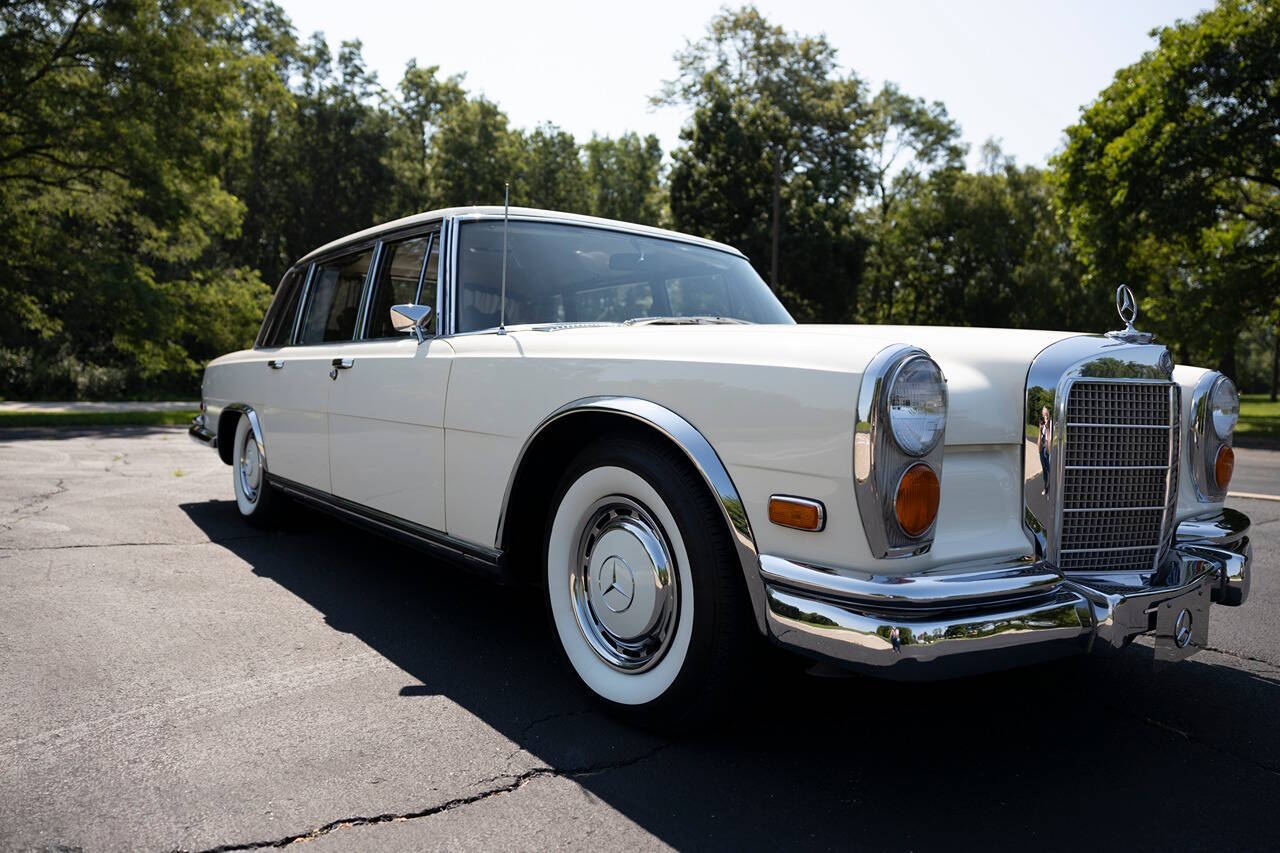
[(624, 178), (982, 248), (552, 174), (115, 121), (473, 154), (906, 139), (1171, 179), (773, 147), (424, 99)]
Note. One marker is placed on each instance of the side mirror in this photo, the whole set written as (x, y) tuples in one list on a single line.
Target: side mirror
[(410, 318)]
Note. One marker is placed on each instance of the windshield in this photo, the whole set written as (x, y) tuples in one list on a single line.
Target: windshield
[(558, 273)]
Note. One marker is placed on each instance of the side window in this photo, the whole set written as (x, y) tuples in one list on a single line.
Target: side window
[(334, 304), (277, 328), (402, 280)]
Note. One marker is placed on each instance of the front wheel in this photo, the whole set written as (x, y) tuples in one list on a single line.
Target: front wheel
[(255, 497), (642, 584)]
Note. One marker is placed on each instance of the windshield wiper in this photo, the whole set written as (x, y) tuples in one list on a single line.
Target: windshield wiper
[(694, 320)]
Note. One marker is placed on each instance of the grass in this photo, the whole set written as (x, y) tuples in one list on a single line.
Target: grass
[(84, 419), (1259, 417)]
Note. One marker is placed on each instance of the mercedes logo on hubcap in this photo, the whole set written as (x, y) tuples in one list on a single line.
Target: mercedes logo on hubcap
[(617, 584)]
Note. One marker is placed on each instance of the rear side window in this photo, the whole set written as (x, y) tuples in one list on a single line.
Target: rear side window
[(334, 304), (400, 282), (277, 328)]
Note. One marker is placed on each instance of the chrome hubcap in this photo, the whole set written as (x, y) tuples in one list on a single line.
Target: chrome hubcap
[(623, 585), (250, 469)]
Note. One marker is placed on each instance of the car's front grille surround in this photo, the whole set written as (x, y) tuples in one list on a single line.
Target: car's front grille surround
[(1119, 476)]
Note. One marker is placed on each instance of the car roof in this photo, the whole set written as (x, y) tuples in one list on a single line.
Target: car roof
[(524, 213)]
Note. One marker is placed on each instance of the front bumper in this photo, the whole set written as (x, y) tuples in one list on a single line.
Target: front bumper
[(975, 618)]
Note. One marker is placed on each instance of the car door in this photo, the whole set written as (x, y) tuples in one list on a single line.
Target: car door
[(386, 409), (295, 411)]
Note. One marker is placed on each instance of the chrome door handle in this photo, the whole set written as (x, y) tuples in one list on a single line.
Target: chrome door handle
[(341, 364), (276, 363)]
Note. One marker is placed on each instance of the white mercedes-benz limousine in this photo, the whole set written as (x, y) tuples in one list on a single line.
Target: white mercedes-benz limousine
[(630, 419)]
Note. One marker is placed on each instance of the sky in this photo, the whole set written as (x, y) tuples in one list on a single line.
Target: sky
[(1018, 72)]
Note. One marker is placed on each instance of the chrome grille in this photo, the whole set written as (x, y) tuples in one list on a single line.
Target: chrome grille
[(1118, 488)]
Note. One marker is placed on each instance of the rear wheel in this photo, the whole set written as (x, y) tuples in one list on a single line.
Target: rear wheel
[(642, 584), (255, 497)]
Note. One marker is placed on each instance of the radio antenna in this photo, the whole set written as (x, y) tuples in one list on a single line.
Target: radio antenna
[(502, 310)]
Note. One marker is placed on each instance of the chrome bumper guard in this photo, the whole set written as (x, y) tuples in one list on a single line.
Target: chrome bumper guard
[(201, 433), (976, 618)]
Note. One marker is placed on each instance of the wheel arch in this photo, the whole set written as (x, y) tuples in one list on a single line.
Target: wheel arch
[(227, 431), (563, 433)]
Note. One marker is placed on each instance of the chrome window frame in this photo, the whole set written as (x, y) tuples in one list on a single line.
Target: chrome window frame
[(301, 287), (302, 301), (878, 469), (431, 235), (456, 222), (339, 252), (1093, 358)]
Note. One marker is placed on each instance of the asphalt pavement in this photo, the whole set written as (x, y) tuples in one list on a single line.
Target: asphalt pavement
[(172, 679)]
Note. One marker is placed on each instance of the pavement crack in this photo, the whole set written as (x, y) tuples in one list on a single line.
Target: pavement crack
[(1191, 737), (1242, 656), (513, 783), (59, 488)]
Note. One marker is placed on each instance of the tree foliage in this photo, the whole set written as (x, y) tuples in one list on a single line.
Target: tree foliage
[(163, 163), (1171, 179)]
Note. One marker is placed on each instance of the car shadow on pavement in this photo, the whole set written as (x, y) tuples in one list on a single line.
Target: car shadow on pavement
[(1083, 751)]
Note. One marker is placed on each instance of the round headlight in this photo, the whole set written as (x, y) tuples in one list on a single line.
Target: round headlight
[(917, 406), (1225, 407)]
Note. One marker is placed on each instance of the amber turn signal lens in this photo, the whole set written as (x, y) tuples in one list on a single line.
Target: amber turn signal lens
[(917, 500), (796, 512), (1223, 466)]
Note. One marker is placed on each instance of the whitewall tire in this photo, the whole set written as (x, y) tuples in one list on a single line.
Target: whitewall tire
[(255, 498), (640, 583)]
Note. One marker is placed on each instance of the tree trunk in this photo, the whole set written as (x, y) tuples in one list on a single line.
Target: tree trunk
[(1228, 363), (777, 220), (1275, 364)]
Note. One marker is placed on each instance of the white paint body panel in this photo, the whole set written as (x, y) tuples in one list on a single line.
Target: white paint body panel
[(386, 428), (777, 404), (431, 433)]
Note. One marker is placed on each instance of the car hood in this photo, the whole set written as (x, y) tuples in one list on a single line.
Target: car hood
[(986, 369), (986, 372)]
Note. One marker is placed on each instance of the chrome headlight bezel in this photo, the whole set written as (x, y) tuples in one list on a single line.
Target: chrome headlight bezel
[(879, 460), (1224, 407), (1206, 441)]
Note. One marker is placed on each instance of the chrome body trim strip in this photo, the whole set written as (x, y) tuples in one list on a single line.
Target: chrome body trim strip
[(700, 453), (1007, 612), (405, 531), (949, 587)]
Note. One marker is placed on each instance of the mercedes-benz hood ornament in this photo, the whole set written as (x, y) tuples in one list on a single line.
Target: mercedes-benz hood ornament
[(1127, 308)]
